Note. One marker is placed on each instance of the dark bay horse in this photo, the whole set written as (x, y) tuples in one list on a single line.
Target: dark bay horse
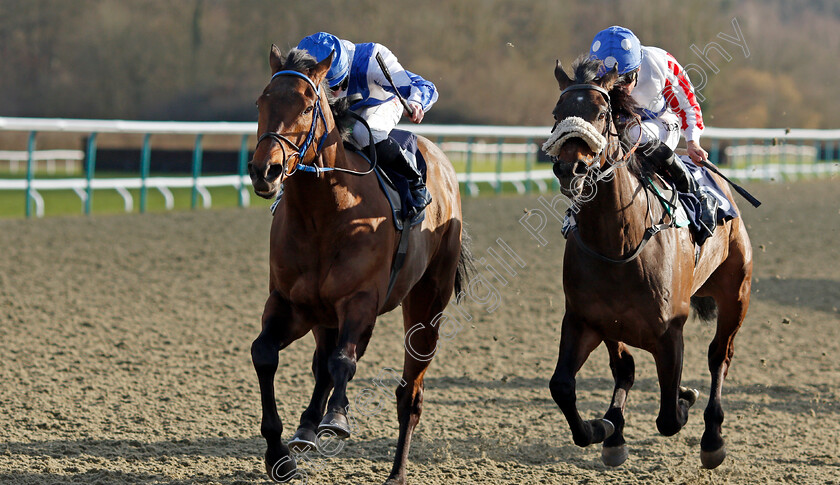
[(624, 293), (332, 245)]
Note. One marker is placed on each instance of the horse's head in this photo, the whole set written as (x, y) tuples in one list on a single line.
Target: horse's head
[(582, 118), (294, 119)]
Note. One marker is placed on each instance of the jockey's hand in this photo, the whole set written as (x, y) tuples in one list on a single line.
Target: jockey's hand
[(417, 115), (696, 152)]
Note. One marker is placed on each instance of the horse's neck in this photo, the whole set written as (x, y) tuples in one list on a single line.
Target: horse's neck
[(614, 221)]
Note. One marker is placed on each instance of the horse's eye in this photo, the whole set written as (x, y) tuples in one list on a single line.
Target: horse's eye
[(307, 110), (602, 115)]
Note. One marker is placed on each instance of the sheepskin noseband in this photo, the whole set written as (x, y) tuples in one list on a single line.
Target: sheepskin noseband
[(572, 127)]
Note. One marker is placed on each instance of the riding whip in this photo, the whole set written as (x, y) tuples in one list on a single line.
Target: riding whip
[(387, 74), (752, 200)]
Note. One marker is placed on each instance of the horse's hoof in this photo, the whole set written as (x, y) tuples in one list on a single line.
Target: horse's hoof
[(712, 459), (614, 455), (601, 429), (395, 481), (280, 464), (303, 441), (337, 424), (690, 395)]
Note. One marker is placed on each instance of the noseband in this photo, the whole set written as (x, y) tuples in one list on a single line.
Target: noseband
[(606, 133), (300, 151)]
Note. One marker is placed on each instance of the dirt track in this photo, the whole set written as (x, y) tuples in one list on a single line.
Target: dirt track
[(125, 359)]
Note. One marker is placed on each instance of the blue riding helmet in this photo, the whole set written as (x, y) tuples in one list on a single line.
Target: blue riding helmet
[(320, 46), (616, 45)]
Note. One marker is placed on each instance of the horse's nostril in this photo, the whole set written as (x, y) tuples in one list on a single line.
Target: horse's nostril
[(562, 170), (580, 168), (274, 171)]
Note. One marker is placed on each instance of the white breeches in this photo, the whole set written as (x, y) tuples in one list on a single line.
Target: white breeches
[(666, 128), (381, 118)]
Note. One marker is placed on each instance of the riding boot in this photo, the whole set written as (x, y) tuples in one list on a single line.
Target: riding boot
[(389, 153), (664, 158)]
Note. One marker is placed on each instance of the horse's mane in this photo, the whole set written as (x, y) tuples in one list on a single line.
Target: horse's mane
[(624, 110), (301, 61)]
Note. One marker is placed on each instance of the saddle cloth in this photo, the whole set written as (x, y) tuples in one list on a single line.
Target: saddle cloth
[(394, 185), (725, 210)]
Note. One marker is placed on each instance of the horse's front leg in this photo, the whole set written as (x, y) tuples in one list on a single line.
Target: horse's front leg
[(356, 317), (279, 329), (577, 341), (674, 400), (305, 439), (623, 369)]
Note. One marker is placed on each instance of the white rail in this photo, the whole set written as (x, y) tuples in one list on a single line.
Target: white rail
[(479, 139)]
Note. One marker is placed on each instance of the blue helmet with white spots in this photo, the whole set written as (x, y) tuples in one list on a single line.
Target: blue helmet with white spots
[(320, 46), (617, 46)]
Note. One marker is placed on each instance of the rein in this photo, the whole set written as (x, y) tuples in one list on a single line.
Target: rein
[(300, 151), (604, 174)]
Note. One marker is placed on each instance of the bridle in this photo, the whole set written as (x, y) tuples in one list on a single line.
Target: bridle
[(300, 151), (282, 140), (600, 174), (606, 133)]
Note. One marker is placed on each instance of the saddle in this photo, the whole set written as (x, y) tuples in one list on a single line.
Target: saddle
[(724, 209), (395, 186)]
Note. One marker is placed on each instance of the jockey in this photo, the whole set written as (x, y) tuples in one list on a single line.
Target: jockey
[(356, 73), (657, 82)]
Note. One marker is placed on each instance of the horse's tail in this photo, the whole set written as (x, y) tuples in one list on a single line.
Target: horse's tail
[(705, 307), (466, 266)]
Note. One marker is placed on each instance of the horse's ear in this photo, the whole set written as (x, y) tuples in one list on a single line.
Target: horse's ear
[(562, 78), (275, 59), (608, 80), (319, 72)]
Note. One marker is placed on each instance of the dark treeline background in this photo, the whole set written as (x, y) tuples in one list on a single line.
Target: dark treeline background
[(492, 60)]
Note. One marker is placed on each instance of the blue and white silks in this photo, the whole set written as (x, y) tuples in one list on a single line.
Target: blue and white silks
[(366, 78)]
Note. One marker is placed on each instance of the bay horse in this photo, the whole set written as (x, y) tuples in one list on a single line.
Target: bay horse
[(627, 285), (332, 245)]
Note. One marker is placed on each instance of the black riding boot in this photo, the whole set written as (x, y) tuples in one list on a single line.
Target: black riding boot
[(389, 153), (666, 161)]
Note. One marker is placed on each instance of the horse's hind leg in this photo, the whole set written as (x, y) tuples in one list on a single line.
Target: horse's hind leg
[(623, 369), (577, 341), (279, 329), (423, 316), (731, 313), (305, 438)]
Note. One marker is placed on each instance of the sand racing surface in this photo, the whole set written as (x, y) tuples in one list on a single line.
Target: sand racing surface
[(125, 359)]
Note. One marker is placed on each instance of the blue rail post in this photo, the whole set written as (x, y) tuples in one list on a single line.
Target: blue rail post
[(30, 147), (196, 169), (90, 167), (528, 162), (468, 169), (243, 161), (818, 146), (800, 161), (499, 165), (145, 158)]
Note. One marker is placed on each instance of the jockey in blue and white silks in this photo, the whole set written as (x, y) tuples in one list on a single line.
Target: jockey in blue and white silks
[(355, 71), (657, 82)]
